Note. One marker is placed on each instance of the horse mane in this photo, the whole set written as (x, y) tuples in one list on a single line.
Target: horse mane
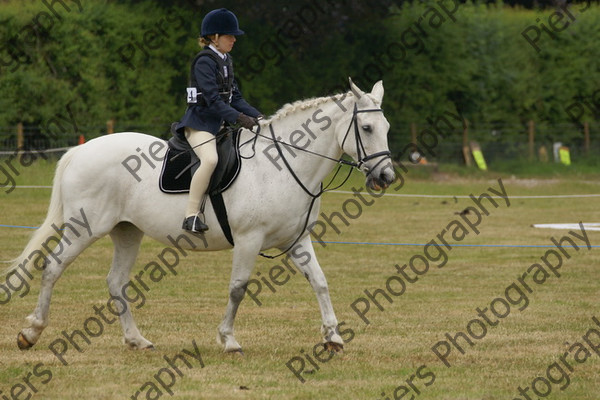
[(299, 105)]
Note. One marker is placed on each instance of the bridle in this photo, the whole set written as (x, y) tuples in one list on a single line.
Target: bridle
[(360, 148), (361, 155)]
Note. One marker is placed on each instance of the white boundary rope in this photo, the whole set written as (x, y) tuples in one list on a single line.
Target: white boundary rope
[(17, 152), (588, 226), (33, 187)]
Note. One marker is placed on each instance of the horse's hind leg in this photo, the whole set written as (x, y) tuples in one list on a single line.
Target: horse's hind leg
[(127, 239), (67, 249)]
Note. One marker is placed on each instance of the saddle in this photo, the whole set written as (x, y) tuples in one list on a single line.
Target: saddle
[(181, 162)]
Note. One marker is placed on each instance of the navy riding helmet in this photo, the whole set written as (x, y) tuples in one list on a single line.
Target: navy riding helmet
[(222, 22)]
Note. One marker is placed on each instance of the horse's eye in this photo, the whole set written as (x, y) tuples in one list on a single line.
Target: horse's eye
[(367, 128)]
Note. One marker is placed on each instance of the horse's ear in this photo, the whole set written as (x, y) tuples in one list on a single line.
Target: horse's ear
[(377, 91), (357, 92)]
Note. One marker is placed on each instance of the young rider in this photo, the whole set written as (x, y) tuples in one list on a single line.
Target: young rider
[(213, 97)]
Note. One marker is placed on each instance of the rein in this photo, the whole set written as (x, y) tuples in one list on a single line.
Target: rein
[(362, 158), (361, 154)]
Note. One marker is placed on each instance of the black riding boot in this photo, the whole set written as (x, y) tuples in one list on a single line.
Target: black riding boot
[(194, 224)]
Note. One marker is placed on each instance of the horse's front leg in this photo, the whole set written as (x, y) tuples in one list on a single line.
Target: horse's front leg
[(244, 257), (303, 256)]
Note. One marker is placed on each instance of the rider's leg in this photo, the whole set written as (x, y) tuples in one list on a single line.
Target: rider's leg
[(205, 147)]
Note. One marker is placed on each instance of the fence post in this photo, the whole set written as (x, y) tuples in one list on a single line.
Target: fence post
[(586, 133), (465, 143), (531, 132), (20, 138), (413, 133), (110, 126)]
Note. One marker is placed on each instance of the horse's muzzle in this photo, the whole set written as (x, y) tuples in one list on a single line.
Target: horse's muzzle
[(381, 180)]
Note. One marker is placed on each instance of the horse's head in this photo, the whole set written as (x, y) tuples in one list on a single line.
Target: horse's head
[(365, 139)]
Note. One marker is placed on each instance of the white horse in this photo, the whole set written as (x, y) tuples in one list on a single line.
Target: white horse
[(266, 208)]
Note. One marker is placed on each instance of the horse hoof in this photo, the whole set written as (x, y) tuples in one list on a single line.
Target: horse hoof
[(334, 347), (237, 352), (22, 342), (136, 345)]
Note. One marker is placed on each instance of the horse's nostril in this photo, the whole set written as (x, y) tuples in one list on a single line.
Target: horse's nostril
[(384, 178)]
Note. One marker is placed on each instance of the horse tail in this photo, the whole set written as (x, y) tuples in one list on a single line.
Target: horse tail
[(48, 229)]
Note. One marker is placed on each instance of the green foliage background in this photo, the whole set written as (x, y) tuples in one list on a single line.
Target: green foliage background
[(478, 65)]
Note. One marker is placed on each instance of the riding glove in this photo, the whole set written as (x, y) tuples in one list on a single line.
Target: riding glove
[(246, 121)]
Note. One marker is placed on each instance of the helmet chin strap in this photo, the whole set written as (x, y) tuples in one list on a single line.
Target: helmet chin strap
[(216, 41)]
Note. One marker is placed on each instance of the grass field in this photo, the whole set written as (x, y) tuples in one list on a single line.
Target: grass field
[(537, 343)]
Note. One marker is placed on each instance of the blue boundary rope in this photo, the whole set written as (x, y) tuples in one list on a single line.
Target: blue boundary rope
[(18, 226), (455, 244), (385, 244)]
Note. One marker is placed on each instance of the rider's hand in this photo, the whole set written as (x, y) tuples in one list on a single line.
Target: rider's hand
[(246, 121)]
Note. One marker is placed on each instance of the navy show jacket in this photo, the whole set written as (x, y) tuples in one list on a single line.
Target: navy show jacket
[(210, 116)]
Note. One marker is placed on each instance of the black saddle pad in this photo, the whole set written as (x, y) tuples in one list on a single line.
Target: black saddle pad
[(181, 162)]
